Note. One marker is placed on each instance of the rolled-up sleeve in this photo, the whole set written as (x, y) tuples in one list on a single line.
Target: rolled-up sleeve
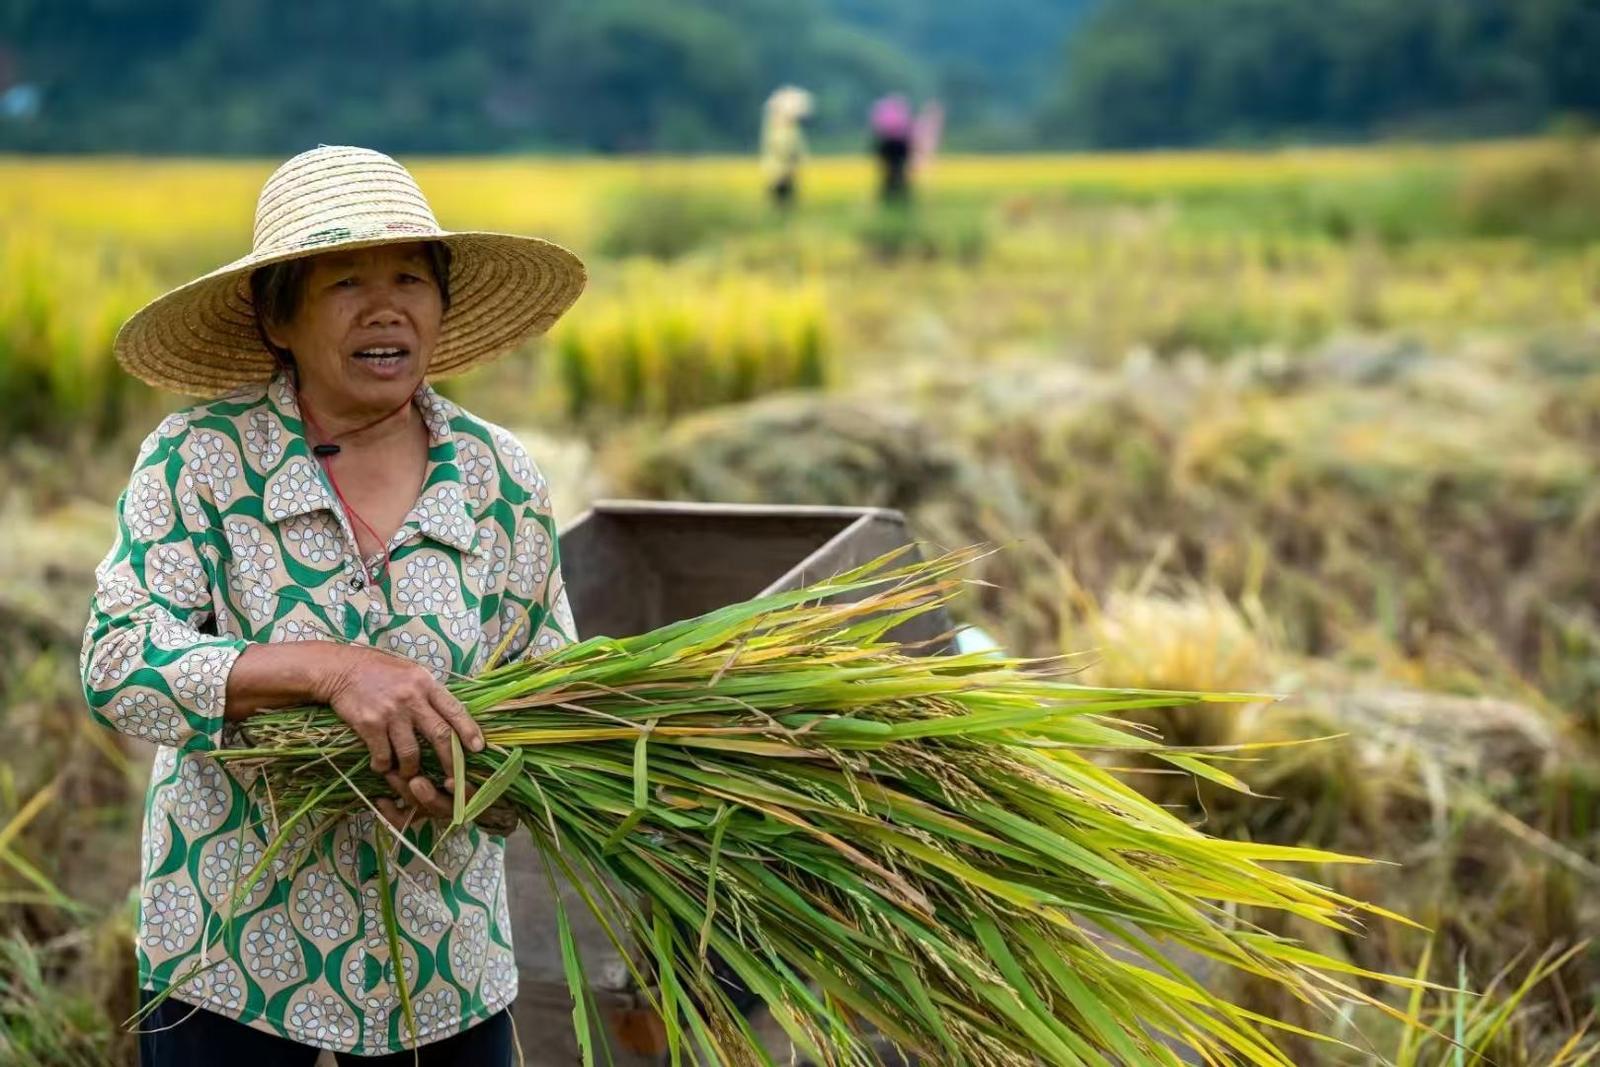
[(150, 668)]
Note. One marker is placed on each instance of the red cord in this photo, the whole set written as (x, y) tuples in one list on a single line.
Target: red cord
[(327, 470)]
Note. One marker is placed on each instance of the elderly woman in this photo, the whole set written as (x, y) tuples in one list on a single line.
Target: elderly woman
[(328, 530)]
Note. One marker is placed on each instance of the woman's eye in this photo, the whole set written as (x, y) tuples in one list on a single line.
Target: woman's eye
[(344, 283), (408, 278)]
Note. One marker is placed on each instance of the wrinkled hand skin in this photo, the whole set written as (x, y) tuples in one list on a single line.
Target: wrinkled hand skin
[(394, 704), (419, 795)]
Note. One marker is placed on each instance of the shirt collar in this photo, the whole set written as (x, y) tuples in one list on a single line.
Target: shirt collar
[(442, 511)]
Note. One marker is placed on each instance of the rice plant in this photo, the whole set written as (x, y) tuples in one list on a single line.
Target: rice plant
[(926, 848), (59, 310), (1444, 1027), (42, 1025), (1199, 251), (665, 222), (662, 350)]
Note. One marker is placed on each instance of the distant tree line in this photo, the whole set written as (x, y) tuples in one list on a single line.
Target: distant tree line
[(1182, 72), (249, 76), (252, 76)]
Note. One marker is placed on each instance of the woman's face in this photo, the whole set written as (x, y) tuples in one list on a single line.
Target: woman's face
[(366, 326)]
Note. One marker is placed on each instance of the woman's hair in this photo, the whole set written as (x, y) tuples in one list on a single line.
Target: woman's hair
[(276, 290)]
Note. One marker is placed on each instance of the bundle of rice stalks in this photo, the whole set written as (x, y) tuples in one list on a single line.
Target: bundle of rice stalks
[(1195, 640), (871, 841), (796, 449)]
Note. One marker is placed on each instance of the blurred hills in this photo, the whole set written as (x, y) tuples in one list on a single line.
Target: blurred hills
[(252, 77)]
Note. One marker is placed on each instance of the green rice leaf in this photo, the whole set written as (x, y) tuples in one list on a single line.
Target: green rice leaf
[(458, 769), (494, 787), (391, 933), (572, 967)]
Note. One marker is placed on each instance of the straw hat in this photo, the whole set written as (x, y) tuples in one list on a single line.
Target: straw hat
[(201, 338), (790, 101)]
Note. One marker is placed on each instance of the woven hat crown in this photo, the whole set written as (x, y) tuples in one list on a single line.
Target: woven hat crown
[(334, 194)]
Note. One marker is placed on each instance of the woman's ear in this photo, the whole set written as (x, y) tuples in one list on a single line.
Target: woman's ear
[(275, 335)]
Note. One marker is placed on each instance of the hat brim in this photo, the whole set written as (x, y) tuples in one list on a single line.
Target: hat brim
[(201, 340)]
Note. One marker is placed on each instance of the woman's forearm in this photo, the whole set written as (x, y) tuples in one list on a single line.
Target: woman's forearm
[(285, 674)]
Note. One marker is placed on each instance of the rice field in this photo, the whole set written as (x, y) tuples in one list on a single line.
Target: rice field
[(1321, 422)]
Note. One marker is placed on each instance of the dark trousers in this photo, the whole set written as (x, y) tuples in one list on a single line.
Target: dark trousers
[(894, 163), (782, 192), (181, 1035)]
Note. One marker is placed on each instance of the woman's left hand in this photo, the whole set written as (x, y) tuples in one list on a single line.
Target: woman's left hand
[(421, 795)]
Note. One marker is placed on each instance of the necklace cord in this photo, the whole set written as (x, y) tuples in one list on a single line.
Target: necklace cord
[(324, 450)]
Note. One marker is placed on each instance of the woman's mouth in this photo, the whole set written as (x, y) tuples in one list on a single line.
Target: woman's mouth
[(383, 357)]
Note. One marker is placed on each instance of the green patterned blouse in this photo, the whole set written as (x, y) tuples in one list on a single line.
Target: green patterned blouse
[(229, 533)]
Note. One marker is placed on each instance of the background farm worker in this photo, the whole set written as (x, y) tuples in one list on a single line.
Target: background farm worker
[(783, 142), (891, 139)]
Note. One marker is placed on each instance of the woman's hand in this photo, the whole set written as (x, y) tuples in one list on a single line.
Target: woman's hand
[(419, 794), (395, 706)]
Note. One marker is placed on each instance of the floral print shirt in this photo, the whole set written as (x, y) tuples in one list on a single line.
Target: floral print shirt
[(229, 533)]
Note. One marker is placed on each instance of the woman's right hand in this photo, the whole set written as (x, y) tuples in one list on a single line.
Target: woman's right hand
[(395, 706)]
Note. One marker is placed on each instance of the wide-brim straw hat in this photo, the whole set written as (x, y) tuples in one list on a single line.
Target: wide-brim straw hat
[(791, 101), (201, 339)]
